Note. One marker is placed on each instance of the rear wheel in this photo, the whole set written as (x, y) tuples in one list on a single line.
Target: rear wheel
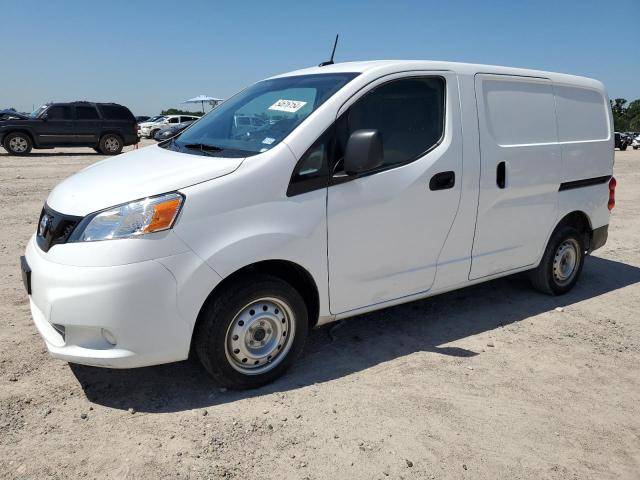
[(111, 144), (623, 148), (18, 143), (251, 332), (561, 263)]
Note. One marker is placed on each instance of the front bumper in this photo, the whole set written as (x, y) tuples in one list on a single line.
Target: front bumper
[(118, 316)]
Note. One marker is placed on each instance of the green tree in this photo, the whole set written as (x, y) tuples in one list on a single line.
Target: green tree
[(633, 115), (620, 123)]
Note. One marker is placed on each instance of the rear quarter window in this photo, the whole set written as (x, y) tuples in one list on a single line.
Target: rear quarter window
[(582, 114), (116, 112)]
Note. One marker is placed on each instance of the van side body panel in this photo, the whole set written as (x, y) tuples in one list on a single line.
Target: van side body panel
[(584, 132), (585, 129), (518, 133)]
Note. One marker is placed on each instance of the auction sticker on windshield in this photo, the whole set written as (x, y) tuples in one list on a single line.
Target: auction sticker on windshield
[(290, 106)]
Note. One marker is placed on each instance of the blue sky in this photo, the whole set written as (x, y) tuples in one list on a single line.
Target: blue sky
[(151, 55)]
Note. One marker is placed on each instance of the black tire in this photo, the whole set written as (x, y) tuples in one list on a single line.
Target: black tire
[(550, 277), (18, 143), (623, 148), (635, 148), (152, 134), (111, 144), (223, 315)]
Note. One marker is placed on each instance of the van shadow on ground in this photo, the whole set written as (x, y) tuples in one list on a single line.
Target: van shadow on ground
[(336, 350)]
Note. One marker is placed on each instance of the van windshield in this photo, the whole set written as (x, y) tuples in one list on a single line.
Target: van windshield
[(259, 117)]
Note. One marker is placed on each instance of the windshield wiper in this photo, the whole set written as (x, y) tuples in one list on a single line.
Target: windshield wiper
[(203, 147)]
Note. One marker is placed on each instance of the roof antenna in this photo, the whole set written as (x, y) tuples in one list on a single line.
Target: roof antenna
[(330, 62)]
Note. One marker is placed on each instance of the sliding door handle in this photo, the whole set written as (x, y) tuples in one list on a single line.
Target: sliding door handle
[(442, 181), (501, 175)]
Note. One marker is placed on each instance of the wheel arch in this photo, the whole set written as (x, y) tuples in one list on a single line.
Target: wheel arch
[(581, 222), (294, 274), (111, 132), (20, 130)]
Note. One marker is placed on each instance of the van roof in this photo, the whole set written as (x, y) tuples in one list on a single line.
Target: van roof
[(390, 66)]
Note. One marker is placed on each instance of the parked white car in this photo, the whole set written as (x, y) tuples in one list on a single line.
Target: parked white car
[(636, 143), (150, 128), (368, 185)]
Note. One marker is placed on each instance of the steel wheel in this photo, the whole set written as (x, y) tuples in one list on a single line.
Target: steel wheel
[(18, 144), (260, 336), (565, 262)]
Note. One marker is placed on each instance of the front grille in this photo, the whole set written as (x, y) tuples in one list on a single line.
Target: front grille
[(54, 228)]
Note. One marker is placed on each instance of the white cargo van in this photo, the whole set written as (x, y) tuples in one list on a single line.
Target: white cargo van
[(364, 185)]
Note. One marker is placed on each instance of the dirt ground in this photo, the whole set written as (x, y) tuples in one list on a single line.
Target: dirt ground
[(493, 381)]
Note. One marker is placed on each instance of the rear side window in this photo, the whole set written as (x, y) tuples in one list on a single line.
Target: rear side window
[(59, 112), (174, 120), (582, 114), (116, 112), (408, 113), (86, 113), (519, 112)]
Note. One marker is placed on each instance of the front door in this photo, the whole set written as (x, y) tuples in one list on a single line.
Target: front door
[(519, 172), (57, 127), (387, 227)]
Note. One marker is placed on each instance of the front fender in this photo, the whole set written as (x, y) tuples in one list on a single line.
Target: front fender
[(245, 217)]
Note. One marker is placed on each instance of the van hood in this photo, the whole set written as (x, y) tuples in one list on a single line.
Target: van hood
[(135, 175)]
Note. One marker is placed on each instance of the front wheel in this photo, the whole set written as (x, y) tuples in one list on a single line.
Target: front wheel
[(250, 333), (18, 143), (561, 263), (623, 148)]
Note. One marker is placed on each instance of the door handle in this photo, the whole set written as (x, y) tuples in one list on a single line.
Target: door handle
[(501, 175), (442, 181)]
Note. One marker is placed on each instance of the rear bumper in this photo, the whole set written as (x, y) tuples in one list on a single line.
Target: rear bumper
[(131, 139), (599, 237)]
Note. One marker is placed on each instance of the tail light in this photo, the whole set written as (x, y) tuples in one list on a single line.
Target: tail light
[(612, 194)]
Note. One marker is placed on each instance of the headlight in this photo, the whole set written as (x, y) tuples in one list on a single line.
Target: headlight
[(152, 214)]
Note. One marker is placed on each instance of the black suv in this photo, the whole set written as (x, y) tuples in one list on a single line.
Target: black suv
[(107, 127)]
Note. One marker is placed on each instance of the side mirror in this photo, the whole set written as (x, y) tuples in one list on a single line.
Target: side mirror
[(363, 152)]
